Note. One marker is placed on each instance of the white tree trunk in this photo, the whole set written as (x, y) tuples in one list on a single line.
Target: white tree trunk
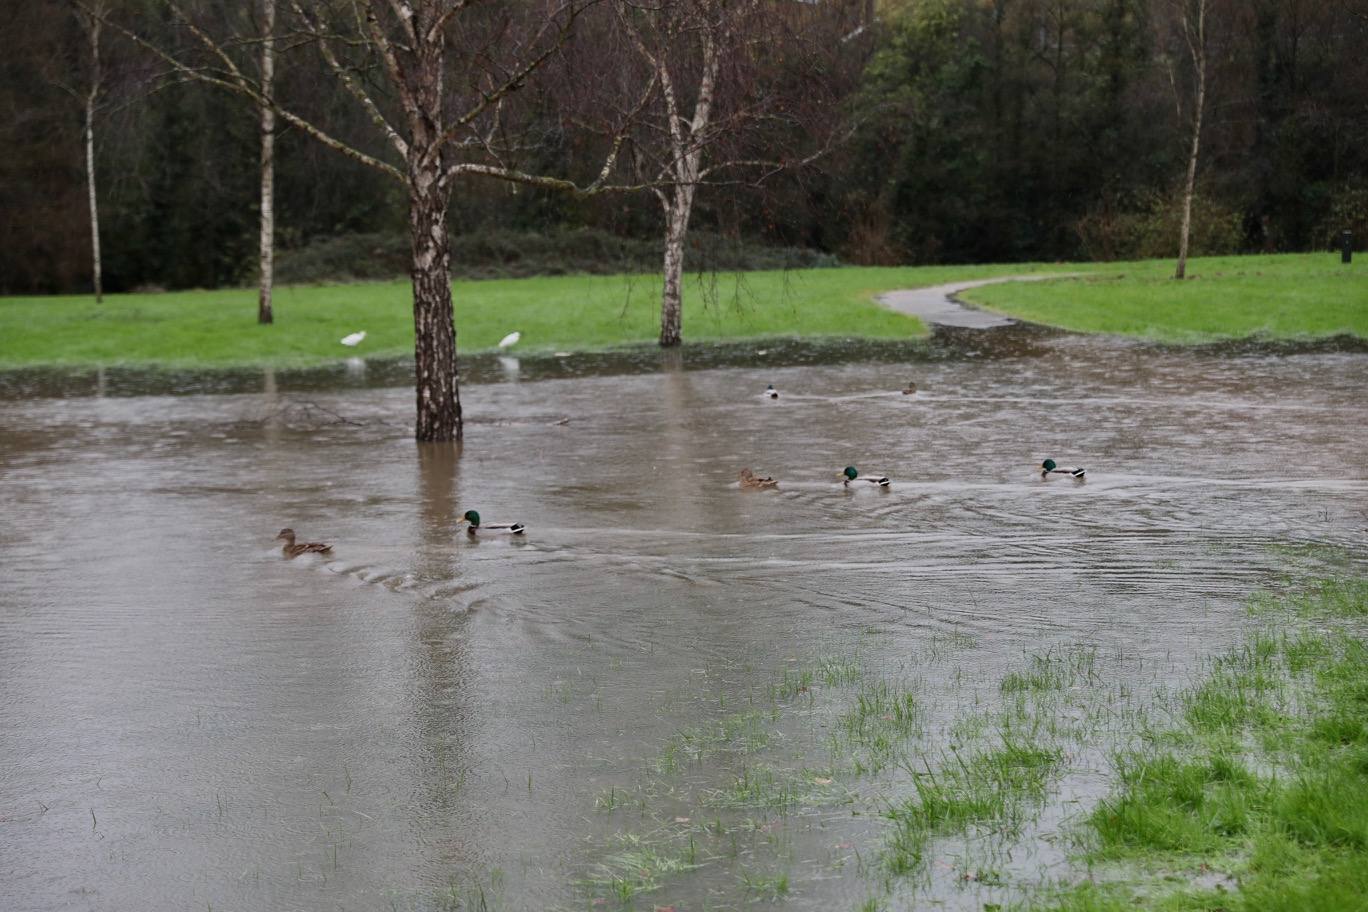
[(677, 212), (93, 22), (96, 266), (1199, 60), (265, 313)]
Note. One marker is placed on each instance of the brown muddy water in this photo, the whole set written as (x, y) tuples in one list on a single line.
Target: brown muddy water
[(641, 703)]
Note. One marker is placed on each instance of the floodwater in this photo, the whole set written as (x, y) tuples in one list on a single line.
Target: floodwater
[(428, 721)]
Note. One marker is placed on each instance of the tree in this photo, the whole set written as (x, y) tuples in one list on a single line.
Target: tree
[(91, 20), (719, 82), (453, 70), (266, 257), (1192, 19)]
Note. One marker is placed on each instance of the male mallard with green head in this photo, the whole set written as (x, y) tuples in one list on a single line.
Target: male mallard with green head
[(749, 481), (290, 549), (475, 526), (1050, 467), (853, 474)]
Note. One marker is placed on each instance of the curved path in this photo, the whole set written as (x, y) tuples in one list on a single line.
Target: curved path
[(937, 303)]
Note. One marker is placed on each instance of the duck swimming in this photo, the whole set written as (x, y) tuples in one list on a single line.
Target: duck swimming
[(290, 549), (749, 481), (476, 526), (910, 389), (1050, 467), (852, 474), (771, 391)]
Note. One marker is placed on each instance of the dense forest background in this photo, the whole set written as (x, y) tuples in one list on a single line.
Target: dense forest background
[(981, 130)]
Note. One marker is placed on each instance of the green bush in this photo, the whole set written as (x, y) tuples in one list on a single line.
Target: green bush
[(1149, 228)]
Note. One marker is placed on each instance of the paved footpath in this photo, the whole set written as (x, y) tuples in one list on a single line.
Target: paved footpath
[(937, 305)]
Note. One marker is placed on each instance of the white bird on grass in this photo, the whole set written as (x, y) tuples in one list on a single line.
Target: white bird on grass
[(510, 340), (354, 339)]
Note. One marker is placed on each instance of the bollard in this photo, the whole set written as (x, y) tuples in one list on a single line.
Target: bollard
[(1346, 246)]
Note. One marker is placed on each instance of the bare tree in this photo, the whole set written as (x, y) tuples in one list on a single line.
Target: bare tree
[(715, 75), (265, 314), (1192, 18), (92, 21), (438, 79)]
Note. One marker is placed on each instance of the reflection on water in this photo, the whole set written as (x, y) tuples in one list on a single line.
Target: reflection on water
[(191, 721)]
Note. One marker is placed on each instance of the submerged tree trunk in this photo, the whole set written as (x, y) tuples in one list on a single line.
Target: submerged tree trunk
[(265, 314), (677, 212), (1197, 45), (439, 397), (93, 22)]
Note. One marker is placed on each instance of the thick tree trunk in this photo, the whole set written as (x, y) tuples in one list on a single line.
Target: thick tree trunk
[(678, 207), (265, 313), (439, 396), (97, 268), (671, 299), (1190, 186)]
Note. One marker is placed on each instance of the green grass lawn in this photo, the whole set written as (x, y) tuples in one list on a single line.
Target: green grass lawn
[(1286, 296), (1276, 297), (219, 329)]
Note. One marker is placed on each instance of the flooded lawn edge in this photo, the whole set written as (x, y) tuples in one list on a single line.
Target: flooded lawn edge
[(1256, 797), (1246, 789)]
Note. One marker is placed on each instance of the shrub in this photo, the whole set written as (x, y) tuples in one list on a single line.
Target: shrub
[(518, 254), (1149, 228)]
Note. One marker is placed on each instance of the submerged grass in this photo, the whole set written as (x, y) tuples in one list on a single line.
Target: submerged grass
[(637, 867), (991, 787), (1264, 778)]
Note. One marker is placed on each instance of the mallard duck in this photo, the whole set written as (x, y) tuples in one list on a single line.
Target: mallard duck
[(1050, 467), (852, 474), (751, 482), (476, 526), (290, 549), (910, 389), (771, 391)]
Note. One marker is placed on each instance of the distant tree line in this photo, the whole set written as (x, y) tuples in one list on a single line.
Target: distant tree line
[(974, 130)]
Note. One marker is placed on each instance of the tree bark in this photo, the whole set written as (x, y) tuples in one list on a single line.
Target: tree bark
[(677, 213), (1198, 48), (265, 313), (92, 24), (439, 398)]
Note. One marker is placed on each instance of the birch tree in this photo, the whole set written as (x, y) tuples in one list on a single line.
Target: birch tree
[(438, 81), (1192, 19), (266, 259), (91, 19), (717, 72)]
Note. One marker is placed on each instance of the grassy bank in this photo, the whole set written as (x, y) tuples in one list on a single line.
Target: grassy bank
[(1278, 297), (218, 328), (1275, 297)]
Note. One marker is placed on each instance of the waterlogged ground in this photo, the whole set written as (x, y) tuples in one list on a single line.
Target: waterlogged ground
[(672, 693)]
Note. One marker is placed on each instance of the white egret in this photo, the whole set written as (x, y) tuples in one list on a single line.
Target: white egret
[(510, 340), (354, 339)]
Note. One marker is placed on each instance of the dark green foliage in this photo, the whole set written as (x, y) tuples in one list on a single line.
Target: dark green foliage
[(505, 253), (986, 131)]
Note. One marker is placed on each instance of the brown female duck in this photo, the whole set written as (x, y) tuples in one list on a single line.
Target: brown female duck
[(290, 549)]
